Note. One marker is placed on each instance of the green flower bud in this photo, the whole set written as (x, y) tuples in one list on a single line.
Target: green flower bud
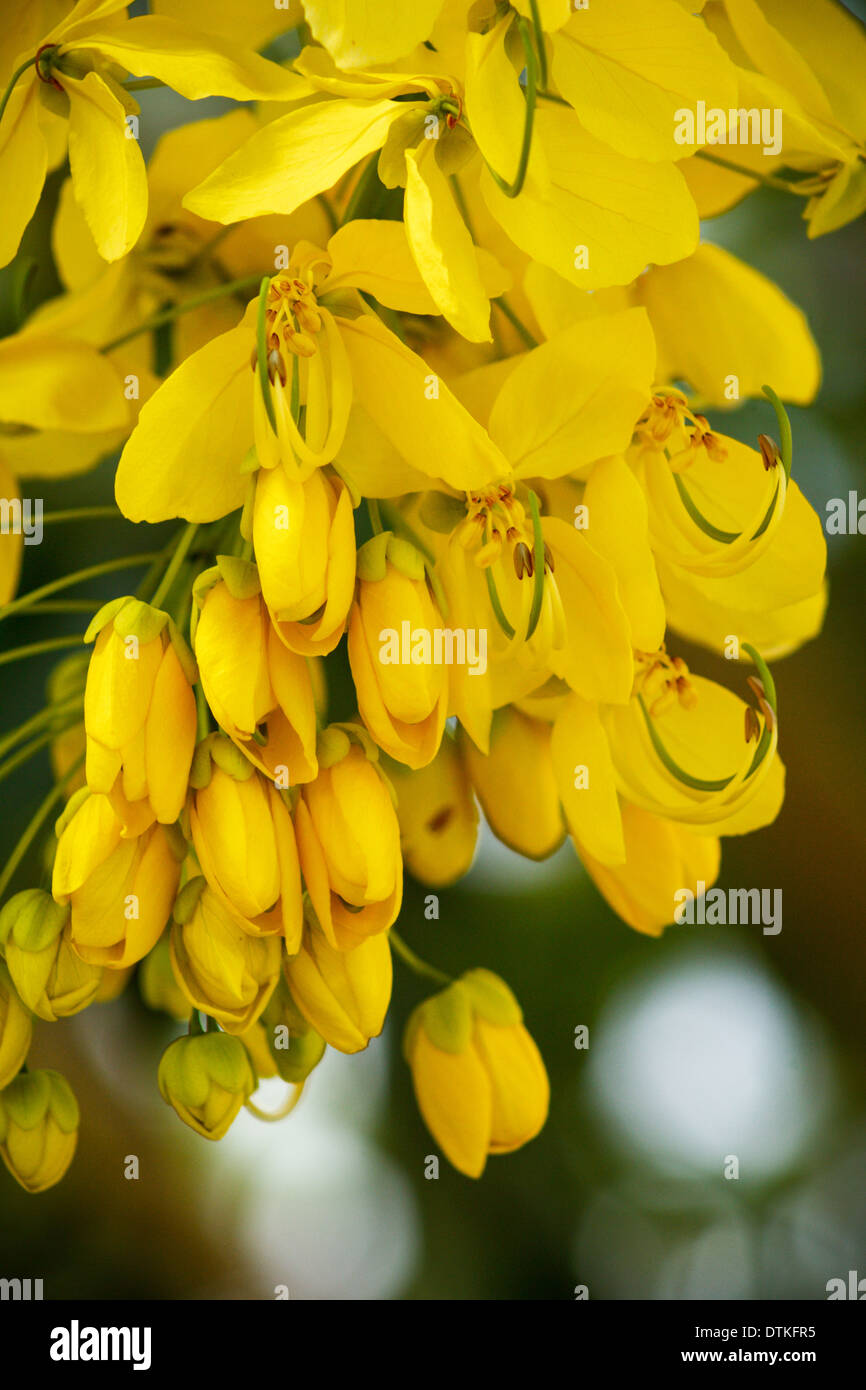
[(15, 1029), (206, 1078), (51, 978), (38, 1128)]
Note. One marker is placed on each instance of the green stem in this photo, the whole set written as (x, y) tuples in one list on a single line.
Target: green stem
[(142, 84), (786, 442), (362, 187), (38, 819), (538, 555), (27, 752), (374, 515), (698, 784), (169, 315), (415, 962), (124, 562), (35, 722), (202, 713), (82, 514), (66, 605), (262, 351), (195, 1027), (767, 179), (54, 644), (325, 203), (513, 188), (505, 308), (12, 81), (177, 560), (539, 41)]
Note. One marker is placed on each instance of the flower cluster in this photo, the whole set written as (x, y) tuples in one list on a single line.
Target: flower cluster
[(421, 346)]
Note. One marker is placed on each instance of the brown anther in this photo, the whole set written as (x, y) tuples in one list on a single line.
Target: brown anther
[(770, 453), (548, 559), (512, 533), (686, 693), (522, 556), (680, 666), (757, 687), (753, 726), (438, 822)]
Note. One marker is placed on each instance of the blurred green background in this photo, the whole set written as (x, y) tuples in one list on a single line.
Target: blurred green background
[(713, 1041)]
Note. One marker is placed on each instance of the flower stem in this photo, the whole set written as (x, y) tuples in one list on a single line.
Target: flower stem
[(12, 81), (505, 308), (39, 817), (177, 560), (53, 644), (123, 562), (513, 188), (28, 751), (732, 168), (81, 514), (169, 315), (142, 84), (35, 722), (415, 962)]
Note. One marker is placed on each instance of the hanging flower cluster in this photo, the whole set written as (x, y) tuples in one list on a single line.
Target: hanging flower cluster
[(421, 346)]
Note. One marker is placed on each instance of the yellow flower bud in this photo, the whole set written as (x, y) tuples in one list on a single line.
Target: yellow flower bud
[(206, 1078), (15, 1029), (438, 817), (344, 995), (159, 988), (120, 891), (51, 978), (349, 844), (402, 691), (222, 969), (260, 692), (38, 1128), (139, 713), (304, 537), (243, 836), (478, 1076), (516, 785)]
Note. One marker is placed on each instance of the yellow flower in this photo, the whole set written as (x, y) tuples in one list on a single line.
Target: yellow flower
[(343, 994), (304, 539), (243, 837), (349, 840), (479, 1079), (120, 889), (63, 84), (222, 970), (50, 977), (139, 713), (38, 1128), (402, 691), (319, 347), (15, 1028), (516, 784), (206, 1078), (260, 693), (438, 817)]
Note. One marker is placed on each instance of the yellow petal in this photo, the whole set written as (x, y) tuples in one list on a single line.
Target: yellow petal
[(597, 658), (519, 1085), (618, 528), (698, 308), (55, 383), (575, 398), (661, 859), (293, 159), (629, 66), (184, 457), (516, 784), (23, 161), (357, 33), (254, 28), (170, 734), (108, 173), (415, 410), (455, 1099), (601, 217), (442, 246), (586, 780)]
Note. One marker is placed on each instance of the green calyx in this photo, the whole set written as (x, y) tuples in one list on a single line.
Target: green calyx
[(33, 920)]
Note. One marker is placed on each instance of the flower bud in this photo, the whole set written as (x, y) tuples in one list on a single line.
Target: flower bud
[(478, 1076), (245, 842), (159, 988), (120, 890), (260, 693), (438, 817), (304, 537), (38, 1128), (222, 969), (349, 842), (16, 1029), (402, 691), (139, 713), (294, 1047), (516, 784), (51, 978), (206, 1078), (344, 995)]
